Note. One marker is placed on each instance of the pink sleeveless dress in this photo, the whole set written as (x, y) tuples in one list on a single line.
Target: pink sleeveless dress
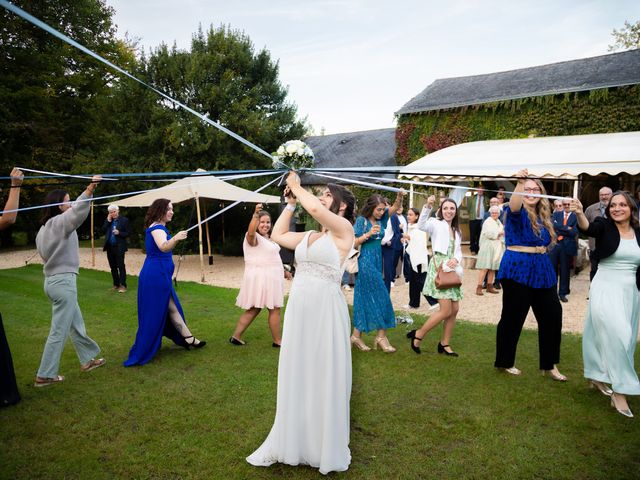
[(263, 280)]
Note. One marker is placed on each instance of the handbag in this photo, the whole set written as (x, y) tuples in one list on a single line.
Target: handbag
[(351, 262), (445, 280)]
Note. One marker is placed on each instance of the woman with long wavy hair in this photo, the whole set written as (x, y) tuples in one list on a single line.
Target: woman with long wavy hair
[(528, 279), (611, 323), (445, 242)]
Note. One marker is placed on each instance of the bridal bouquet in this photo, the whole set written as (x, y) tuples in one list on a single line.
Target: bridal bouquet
[(294, 154)]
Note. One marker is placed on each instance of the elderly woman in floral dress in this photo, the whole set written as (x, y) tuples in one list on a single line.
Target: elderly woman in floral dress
[(491, 250)]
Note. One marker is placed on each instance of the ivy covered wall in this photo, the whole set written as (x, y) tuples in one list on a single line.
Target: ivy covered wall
[(596, 111)]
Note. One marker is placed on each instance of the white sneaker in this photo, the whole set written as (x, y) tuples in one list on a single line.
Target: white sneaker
[(434, 307), (393, 284), (346, 287)]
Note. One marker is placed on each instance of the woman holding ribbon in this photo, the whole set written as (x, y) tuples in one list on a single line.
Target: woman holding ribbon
[(311, 425), (372, 308), (447, 253), (528, 279), (263, 279), (611, 323), (57, 244), (159, 310)]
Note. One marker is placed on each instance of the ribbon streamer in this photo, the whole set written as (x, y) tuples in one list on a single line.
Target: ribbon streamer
[(236, 202), (118, 195)]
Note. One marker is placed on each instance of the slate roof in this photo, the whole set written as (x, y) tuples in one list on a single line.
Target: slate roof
[(369, 148), (604, 71)]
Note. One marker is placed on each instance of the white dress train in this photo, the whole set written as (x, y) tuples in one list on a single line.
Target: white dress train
[(311, 425)]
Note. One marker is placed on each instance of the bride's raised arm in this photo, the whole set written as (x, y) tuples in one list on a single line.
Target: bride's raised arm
[(340, 227)]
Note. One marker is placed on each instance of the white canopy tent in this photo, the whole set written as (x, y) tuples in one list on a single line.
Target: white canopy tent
[(195, 187), (564, 157)]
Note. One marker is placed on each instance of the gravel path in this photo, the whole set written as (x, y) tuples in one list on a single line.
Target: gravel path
[(227, 272)]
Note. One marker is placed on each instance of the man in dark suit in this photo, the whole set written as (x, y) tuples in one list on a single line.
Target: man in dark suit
[(476, 206), (565, 225), (391, 249), (116, 231)]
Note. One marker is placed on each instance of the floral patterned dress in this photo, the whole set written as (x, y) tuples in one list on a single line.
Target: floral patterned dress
[(430, 290)]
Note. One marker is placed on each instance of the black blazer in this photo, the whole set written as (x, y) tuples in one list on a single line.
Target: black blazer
[(123, 233), (608, 240)]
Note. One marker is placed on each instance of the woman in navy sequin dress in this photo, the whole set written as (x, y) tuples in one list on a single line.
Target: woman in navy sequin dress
[(372, 308), (528, 279)]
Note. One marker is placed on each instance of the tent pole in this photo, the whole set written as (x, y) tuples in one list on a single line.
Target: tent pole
[(93, 250), (200, 239), (411, 196), (204, 208), (222, 220)]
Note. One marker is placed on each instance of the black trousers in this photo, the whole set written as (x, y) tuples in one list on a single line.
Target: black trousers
[(516, 301), (415, 280), (116, 264), (561, 262), (9, 394), (475, 228)]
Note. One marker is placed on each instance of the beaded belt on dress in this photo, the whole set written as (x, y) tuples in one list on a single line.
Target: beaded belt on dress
[(319, 270), (527, 249)]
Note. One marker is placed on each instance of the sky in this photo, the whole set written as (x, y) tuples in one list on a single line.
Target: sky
[(350, 64)]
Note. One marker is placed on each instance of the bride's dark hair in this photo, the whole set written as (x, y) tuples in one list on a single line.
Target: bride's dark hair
[(342, 195)]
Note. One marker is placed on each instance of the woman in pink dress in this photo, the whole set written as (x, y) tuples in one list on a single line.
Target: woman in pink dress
[(263, 280)]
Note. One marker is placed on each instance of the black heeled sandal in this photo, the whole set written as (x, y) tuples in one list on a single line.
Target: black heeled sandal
[(188, 345), (412, 336), (441, 349)]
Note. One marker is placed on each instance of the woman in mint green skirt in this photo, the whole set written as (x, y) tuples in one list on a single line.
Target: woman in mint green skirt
[(611, 324)]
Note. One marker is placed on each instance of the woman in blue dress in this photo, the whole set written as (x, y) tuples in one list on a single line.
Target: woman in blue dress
[(372, 308), (159, 310), (611, 323)]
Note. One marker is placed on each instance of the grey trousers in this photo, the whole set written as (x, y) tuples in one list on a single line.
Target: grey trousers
[(66, 320)]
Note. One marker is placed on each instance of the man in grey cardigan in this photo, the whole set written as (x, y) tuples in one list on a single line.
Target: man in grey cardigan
[(57, 244)]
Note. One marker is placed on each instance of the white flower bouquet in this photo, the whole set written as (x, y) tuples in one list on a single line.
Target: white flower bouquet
[(293, 154)]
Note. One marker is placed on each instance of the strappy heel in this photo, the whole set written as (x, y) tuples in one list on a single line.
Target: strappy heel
[(384, 344), (601, 387), (412, 336), (357, 341), (192, 343), (441, 349)]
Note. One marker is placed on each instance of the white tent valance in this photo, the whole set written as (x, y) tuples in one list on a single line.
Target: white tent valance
[(197, 186), (564, 157)]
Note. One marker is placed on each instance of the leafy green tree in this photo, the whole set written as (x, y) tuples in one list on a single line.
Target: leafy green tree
[(627, 38), (48, 89)]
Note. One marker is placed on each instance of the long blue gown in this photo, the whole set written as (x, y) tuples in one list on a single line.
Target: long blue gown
[(154, 290), (372, 308)]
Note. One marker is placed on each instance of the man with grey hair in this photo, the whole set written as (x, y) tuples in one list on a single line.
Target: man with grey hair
[(116, 231), (565, 224), (592, 212)]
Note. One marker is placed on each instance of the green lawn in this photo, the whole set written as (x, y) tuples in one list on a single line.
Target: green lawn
[(197, 414)]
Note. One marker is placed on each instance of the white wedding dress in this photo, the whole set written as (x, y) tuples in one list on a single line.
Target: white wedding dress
[(311, 426)]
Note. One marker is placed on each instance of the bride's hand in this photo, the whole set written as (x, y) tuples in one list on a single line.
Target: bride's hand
[(293, 180), (291, 198)]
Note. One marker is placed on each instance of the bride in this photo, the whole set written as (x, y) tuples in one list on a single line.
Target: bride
[(311, 425)]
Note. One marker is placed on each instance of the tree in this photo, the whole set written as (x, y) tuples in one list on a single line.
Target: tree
[(48, 88), (627, 38)]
